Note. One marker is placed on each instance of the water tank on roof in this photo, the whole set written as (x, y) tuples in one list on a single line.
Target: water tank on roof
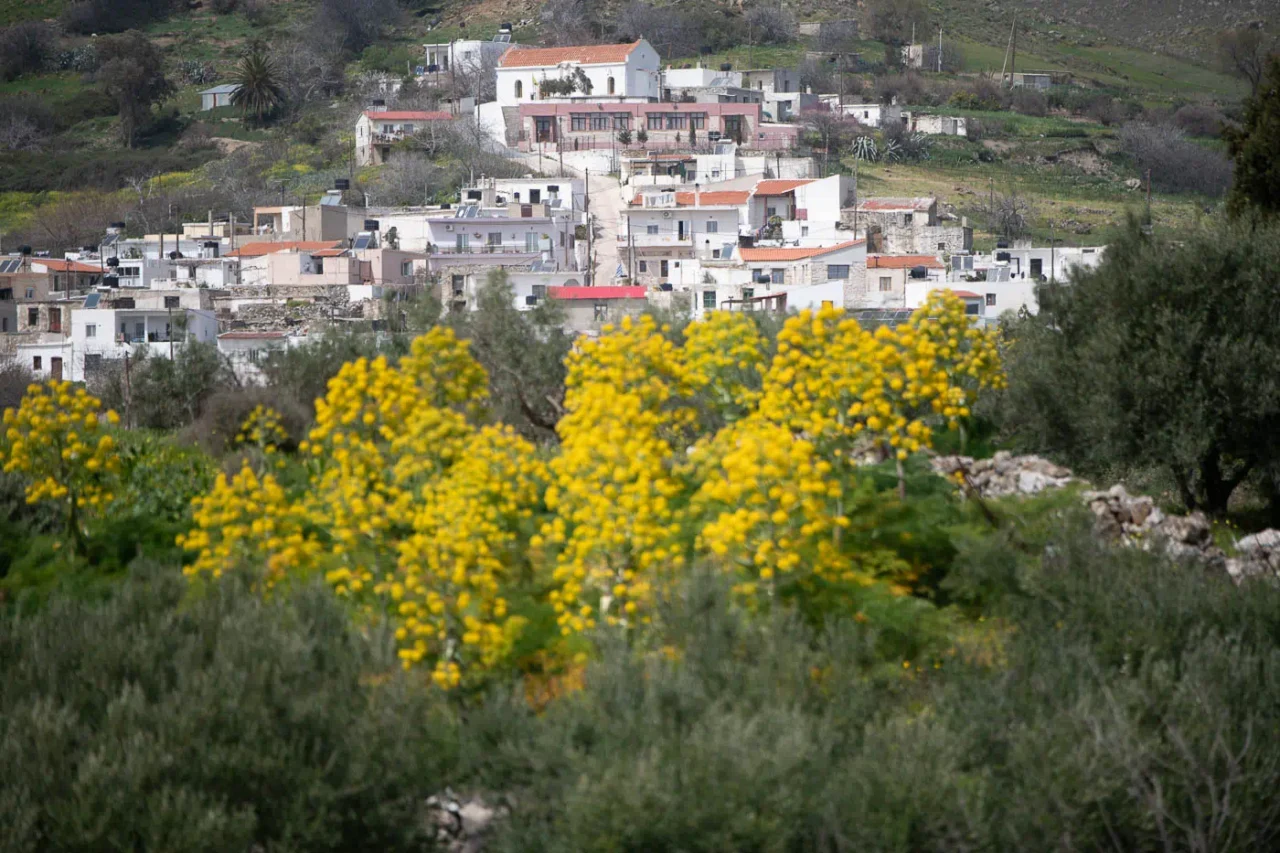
[(26, 250), (726, 66), (1002, 256), (919, 272), (342, 184), (371, 225), (113, 262)]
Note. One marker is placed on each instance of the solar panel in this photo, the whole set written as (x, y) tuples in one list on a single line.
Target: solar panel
[(10, 265), (419, 70), (110, 239), (91, 301), (363, 241), (503, 38)]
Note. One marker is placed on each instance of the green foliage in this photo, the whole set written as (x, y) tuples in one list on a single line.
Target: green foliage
[(523, 353), (132, 74), (164, 393), (1112, 676), (226, 723), (260, 93), (1143, 362), (1256, 149)]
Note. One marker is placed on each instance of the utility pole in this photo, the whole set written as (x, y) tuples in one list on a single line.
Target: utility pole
[(1053, 257), (1013, 53), (855, 196), (1005, 65), (589, 276), (939, 50)]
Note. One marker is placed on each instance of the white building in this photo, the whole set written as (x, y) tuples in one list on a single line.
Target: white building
[(378, 130), (935, 125), (613, 70), (465, 56), (112, 324), (1008, 279), (246, 351), (867, 115)]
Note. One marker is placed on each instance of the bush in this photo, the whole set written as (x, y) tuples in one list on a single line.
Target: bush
[(1029, 102), (226, 411), (164, 393), (1110, 676), (1200, 406), (983, 93), (113, 16), (227, 723), (26, 48), (1200, 120), (1175, 163)]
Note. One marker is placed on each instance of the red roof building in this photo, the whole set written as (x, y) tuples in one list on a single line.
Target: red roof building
[(594, 54)]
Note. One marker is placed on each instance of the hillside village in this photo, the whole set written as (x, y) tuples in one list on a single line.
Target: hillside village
[(639, 425), (685, 189)]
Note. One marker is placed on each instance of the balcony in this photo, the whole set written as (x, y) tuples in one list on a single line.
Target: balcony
[(642, 240), (487, 249)]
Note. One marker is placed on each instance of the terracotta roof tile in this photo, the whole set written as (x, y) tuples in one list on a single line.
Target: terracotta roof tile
[(715, 197), (778, 187), (591, 54), (967, 294), (257, 250), (794, 253), (65, 266), (902, 262), (601, 292)]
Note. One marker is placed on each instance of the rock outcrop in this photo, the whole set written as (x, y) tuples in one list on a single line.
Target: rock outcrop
[(1130, 520), (461, 825), (1005, 474)]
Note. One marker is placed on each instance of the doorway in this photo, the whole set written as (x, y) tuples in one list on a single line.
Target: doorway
[(55, 368)]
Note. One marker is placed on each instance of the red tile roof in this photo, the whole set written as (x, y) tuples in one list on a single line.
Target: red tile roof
[(778, 187), (65, 266), (686, 199), (601, 292), (902, 262), (967, 294), (409, 115), (329, 253), (592, 54), (794, 253), (257, 250)]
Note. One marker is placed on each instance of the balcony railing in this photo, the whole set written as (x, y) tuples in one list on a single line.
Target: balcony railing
[(486, 249)]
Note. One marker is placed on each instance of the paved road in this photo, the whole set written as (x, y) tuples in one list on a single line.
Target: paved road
[(605, 203)]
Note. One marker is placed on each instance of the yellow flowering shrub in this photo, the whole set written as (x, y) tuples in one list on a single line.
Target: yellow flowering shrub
[(470, 542), (246, 521), (612, 499), (262, 429), (724, 362), (56, 440)]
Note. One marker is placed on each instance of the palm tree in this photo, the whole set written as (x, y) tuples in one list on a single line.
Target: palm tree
[(260, 92)]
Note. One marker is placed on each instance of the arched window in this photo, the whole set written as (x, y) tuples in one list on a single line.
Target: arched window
[(611, 85), (519, 89)]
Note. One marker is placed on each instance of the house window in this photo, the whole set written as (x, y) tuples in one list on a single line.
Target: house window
[(171, 301), (578, 121), (406, 269), (57, 282), (886, 283), (837, 271), (644, 267), (90, 330), (651, 229), (709, 300), (942, 247), (804, 230), (600, 311), (519, 88), (92, 363), (698, 121), (36, 363), (653, 121), (31, 293), (600, 121), (457, 284), (771, 212), (539, 291), (991, 299), (495, 238), (906, 219), (776, 276), (319, 262), (972, 307), (677, 121), (748, 292), (621, 121), (713, 227), (531, 242), (610, 86), (33, 317)]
